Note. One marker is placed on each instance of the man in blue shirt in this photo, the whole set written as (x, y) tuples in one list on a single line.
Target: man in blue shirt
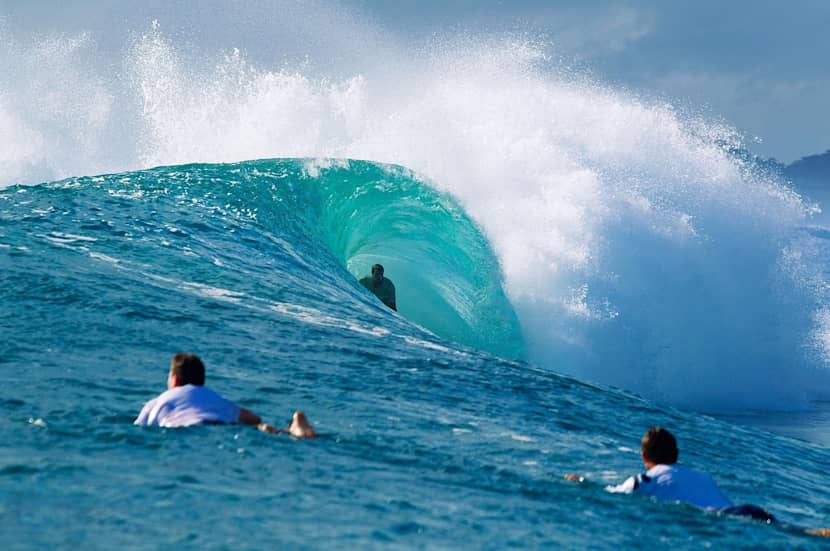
[(666, 480)]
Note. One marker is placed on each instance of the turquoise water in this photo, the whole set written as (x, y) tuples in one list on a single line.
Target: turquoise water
[(438, 430)]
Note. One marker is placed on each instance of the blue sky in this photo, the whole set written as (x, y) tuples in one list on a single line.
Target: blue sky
[(763, 66)]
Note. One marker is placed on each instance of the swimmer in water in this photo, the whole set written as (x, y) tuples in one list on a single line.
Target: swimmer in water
[(665, 479), (188, 402)]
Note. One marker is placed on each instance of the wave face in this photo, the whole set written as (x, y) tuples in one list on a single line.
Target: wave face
[(316, 218)]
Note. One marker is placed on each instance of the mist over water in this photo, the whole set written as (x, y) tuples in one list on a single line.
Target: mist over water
[(635, 251)]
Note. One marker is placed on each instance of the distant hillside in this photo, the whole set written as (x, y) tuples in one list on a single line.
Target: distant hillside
[(812, 171), (808, 173)]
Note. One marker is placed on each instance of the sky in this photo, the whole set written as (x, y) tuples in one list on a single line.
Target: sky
[(761, 66)]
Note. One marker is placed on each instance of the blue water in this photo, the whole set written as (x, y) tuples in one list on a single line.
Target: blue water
[(574, 263), (433, 434)]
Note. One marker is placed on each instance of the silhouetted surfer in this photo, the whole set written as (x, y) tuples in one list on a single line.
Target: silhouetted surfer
[(188, 402), (665, 479), (382, 287)]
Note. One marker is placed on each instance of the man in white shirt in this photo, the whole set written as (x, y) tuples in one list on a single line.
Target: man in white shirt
[(188, 402)]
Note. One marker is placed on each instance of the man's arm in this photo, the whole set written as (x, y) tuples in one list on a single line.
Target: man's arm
[(299, 428), (626, 487), (250, 418), (144, 416), (393, 304)]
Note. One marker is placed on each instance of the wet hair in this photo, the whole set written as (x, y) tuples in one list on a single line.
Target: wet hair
[(659, 446), (188, 368), (378, 268)]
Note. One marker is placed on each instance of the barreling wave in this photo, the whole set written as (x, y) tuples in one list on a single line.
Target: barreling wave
[(448, 279), (319, 225)]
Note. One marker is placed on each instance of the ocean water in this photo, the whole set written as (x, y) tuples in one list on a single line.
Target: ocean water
[(429, 439), (573, 264)]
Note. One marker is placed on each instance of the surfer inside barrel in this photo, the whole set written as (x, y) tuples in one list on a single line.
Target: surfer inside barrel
[(382, 287)]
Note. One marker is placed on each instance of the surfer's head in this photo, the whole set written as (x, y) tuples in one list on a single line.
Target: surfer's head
[(186, 369), (377, 273), (659, 447)]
